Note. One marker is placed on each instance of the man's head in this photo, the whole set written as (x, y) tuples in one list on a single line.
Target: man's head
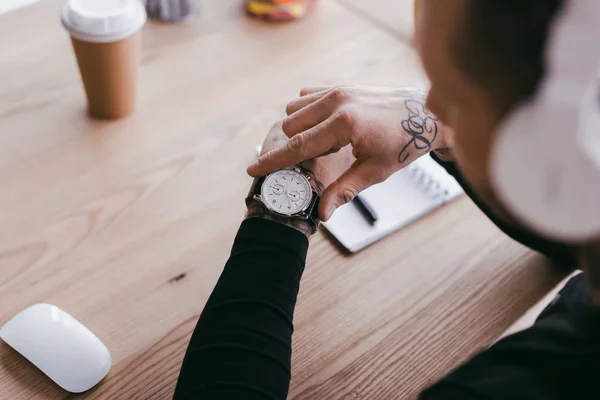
[(483, 58)]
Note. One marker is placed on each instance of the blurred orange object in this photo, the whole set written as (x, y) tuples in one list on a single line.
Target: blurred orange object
[(417, 7), (279, 10)]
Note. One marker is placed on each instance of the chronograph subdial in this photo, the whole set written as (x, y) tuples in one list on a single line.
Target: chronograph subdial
[(294, 195), (277, 189)]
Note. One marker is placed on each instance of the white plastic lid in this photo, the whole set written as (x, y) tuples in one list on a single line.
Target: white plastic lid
[(103, 21)]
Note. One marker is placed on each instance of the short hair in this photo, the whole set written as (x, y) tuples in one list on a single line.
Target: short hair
[(502, 46)]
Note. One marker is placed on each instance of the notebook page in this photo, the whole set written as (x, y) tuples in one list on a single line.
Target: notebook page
[(405, 197)]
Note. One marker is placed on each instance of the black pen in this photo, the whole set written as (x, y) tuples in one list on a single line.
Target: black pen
[(365, 209)]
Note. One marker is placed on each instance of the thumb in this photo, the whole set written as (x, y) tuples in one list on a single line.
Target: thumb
[(357, 178)]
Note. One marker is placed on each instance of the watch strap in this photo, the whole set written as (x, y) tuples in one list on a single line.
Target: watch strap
[(313, 210), (255, 189)]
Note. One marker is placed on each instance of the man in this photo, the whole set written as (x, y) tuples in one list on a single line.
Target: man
[(484, 58)]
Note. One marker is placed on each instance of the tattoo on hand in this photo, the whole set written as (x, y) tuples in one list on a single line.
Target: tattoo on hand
[(421, 126), (280, 139)]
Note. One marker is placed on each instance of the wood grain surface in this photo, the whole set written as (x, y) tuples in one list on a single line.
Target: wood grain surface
[(126, 225), (396, 17)]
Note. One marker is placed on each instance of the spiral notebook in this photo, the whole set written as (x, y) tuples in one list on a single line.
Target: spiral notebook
[(406, 196)]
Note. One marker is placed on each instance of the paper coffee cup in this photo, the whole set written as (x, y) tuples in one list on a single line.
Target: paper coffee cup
[(417, 9), (106, 39)]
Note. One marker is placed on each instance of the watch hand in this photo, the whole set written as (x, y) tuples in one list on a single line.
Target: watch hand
[(287, 194)]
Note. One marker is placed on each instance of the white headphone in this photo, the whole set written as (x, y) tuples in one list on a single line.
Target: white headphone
[(545, 163)]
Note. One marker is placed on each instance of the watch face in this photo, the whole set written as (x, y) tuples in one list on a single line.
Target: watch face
[(286, 192)]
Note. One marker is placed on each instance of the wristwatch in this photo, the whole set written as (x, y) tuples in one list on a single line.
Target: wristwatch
[(287, 193)]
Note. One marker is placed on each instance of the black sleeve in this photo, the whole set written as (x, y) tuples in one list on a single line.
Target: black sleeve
[(556, 251), (241, 347)]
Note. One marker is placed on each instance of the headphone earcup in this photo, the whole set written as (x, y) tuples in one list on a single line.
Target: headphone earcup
[(541, 175)]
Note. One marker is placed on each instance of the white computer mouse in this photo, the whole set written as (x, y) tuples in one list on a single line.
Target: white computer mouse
[(63, 348)]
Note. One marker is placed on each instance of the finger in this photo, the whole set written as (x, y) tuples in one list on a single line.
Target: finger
[(304, 146), (308, 117), (314, 89), (357, 178), (332, 151), (303, 101)]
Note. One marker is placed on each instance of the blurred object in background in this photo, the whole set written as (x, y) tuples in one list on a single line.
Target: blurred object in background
[(417, 9), (173, 10), (279, 10), (106, 38), (10, 5)]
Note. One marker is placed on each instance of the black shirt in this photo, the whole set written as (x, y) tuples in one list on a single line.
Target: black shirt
[(241, 347)]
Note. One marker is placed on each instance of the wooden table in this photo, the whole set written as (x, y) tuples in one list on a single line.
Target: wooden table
[(126, 225)]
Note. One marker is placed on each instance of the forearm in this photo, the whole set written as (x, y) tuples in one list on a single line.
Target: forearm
[(241, 347)]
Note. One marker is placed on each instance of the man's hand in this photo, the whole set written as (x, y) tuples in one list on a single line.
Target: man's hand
[(323, 171), (387, 129)]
